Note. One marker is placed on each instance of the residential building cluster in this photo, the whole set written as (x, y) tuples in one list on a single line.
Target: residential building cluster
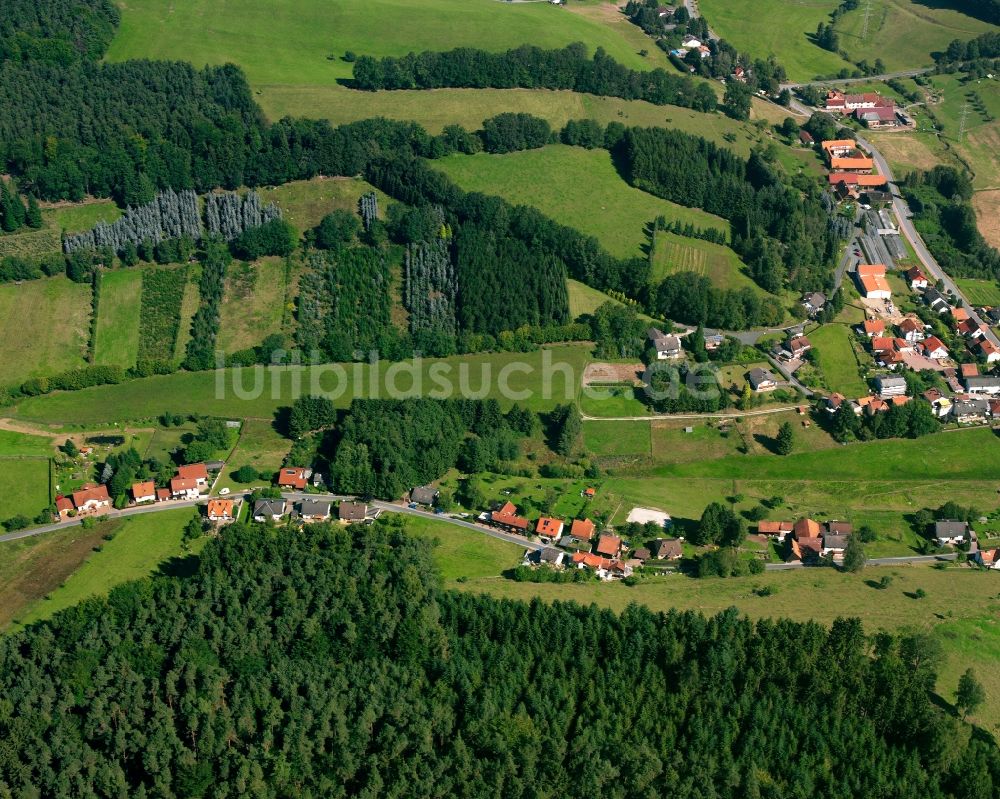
[(807, 540), (871, 109)]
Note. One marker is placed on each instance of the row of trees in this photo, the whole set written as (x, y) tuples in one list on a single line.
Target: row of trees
[(205, 323), (530, 67), (15, 213), (329, 662), (691, 298)]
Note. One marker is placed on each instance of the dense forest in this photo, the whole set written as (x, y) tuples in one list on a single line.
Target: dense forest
[(329, 662), (940, 200), (56, 31), (387, 447), (530, 67), (15, 212), (780, 227)]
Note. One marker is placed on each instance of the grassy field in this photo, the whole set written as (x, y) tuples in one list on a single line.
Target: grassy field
[(465, 554), (253, 303), (213, 393), (189, 306), (30, 243), (775, 27), (585, 300), (904, 33), (987, 206), (260, 446), (837, 359), (980, 292), (306, 46), (14, 444), (720, 264), (139, 545), (46, 325), (117, 341), (304, 203), (77, 217), (576, 187), (24, 486), (617, 439)]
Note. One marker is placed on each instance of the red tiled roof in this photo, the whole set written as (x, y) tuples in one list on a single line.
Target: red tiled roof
[(909, 325), (90, 493), (64, 504), (582, 529), (193, 471), (591, 561), (609, 545), (145, 489), (871, 270), (509, 520), (806, 528), (220, 507), (178, 484), (508, 508), (773, 528), (548, 526), (163, 493), (969, 370), (292, 476), (932, 343), (874, 326)]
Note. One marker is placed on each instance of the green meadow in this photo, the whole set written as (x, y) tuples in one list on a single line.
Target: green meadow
[(777, 28), (117, 342), (305, 44), (837, 359), (24, 486), (576, 187)]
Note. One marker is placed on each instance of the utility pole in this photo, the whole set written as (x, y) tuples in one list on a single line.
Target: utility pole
[(961, 123), (868, 13)]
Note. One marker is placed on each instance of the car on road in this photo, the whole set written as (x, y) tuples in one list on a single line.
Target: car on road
[(412, 506)]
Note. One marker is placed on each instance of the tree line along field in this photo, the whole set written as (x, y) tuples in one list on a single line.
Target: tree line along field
[(306, 45), (576, 187)]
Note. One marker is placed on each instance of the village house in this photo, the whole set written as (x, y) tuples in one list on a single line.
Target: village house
[(861, 165), (970, 411), (269, 510), (940, 404), (877, 118), (837, 101), (983, 384), (835, 537), (761, 380), (970, 328), (194, 471), (853, 180), (805, 137), (813, 302), (668, 348), (220, 510), (779, 530), (934, 348), (91, 498), (833, 402), (294, 477), (347, 512), (579, 536), (609, 545), (968, 370), (144, 492), (838, 148), (890, 386), (667, 549), (988, 558), (912, 330), (935, 300), (506, 518), (950, 531), (424, 495), (312, 511), (987, 350), (548, 556), (872, 327), (872, 283), (794, 348), (549, 529), (64, 507), (184, 488), (806, 541), (162, 494), (918, 281)]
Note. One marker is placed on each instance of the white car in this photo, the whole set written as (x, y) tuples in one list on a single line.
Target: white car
[(223, 492)]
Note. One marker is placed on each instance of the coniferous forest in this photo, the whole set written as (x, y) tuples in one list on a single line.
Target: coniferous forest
[(330, 663)]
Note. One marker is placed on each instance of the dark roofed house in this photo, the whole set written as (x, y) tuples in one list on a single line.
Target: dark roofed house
[(667, 549), (550, 556), (982, 384), (761, 379), (265, 509), (424, 495), (352, 511), (642, 554), (949, 531), (840, 528), (834, 544), (667, 347), (813, 302), (314, 510)]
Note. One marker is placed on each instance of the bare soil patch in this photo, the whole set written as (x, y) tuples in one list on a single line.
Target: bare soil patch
[(597, 373), (987, 205)]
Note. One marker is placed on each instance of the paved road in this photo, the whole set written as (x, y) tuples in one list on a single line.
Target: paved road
[(903, 214), (694, 13), (788, 375), (900, 561), (672, 416), (909, 73)]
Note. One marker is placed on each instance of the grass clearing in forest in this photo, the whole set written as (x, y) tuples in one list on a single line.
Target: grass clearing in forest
[(45, 325), (253, 303), (117, 341), (305, 45), (576, 187), (616, 439), (463, 554), (717, 262), (775, 27), (78, 217), (139, 545), (304, 203)]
